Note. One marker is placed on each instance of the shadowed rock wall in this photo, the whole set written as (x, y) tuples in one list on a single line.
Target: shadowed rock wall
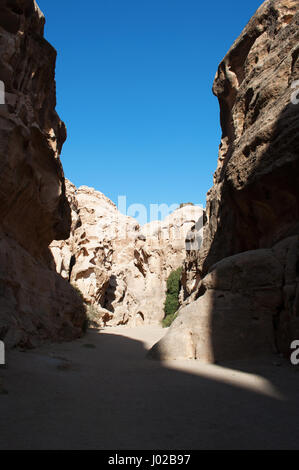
[(35, 303), (246, 304)]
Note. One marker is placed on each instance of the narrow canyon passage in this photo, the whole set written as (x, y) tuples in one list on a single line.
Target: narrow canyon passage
[(102, 392)]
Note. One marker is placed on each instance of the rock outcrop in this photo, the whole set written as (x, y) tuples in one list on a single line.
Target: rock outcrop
[(120, 267), (35, 303), (242, 288)]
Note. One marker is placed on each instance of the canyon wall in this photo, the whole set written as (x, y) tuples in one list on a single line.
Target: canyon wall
[(120, 267), (241, 289), (35, 302)]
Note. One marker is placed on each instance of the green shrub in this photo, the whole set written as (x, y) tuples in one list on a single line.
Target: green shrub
[(168, 320), (171, 304), (184, 204), (78, 291), (172, 297), (92, 313)]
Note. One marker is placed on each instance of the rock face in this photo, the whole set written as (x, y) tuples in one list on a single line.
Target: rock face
[(121, 268), (35, 303), (241, 289)]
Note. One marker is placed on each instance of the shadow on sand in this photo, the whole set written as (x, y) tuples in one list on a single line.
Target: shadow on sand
[(101, 392)]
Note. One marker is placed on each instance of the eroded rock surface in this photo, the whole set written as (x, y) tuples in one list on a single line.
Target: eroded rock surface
[(120, 267), (35, 303), (238, 306)]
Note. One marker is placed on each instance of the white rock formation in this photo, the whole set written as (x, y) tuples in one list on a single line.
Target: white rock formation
[(121, 268)]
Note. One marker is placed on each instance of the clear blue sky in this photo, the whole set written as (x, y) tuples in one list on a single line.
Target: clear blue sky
[(134, 81)]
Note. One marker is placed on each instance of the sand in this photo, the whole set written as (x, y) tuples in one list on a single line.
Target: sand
[(101, 392)]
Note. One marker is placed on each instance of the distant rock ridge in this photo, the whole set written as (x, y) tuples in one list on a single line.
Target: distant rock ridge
[(120, 267), (241, 289)]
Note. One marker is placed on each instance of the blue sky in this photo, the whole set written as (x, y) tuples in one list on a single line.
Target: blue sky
[(134, 81)]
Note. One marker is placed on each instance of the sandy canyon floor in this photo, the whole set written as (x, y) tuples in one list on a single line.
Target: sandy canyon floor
[(101, 392)]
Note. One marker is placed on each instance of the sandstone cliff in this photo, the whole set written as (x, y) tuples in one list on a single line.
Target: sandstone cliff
[(242, 287), (120, 267), (35, 303)]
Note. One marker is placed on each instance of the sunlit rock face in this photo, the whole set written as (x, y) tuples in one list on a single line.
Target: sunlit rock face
[(121, 267), (253, 208), (35, 303)]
